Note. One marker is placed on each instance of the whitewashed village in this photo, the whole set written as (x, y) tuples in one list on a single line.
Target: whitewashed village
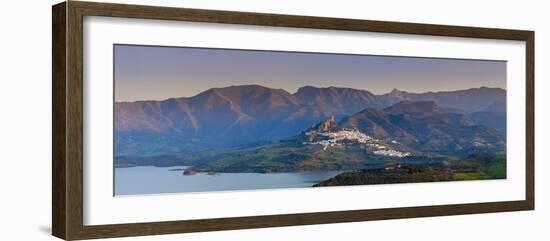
[(327, 134)]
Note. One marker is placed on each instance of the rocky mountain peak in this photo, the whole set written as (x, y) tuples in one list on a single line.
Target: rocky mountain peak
[(398, 94)]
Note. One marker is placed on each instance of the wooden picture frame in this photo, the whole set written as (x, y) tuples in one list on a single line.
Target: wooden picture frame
[(67, 152)]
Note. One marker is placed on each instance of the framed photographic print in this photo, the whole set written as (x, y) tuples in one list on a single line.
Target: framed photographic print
[(171, 120)]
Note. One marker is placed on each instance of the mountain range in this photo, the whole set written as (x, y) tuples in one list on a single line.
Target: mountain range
[(237, 115)]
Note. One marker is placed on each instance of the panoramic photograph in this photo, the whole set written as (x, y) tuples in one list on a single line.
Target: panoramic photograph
[(205, 120)]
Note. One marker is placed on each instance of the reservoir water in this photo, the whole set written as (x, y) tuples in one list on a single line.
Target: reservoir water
[(157, 180)]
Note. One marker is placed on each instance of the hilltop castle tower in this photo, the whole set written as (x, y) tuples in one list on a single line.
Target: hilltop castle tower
[(328, 125)]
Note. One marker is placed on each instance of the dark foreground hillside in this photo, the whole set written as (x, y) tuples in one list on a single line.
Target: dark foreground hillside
[(389, 175), (474, 167)]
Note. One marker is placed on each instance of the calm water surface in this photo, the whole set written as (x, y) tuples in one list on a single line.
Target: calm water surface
[(153, 180)]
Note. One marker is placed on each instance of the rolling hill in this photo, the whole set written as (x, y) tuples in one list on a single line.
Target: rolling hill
[(425, 127)]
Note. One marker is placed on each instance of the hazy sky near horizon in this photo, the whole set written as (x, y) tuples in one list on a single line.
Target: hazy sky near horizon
[(158, 73)]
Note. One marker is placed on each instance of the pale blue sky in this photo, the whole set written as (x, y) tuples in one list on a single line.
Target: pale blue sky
[(157, 73)]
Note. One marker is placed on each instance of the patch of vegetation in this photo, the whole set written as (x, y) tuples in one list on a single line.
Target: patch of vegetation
[(480, 166), (282, 156), (392, 174), (285, 157)]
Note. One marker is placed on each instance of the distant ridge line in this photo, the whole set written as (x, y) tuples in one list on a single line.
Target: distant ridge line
[(395, 90)]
